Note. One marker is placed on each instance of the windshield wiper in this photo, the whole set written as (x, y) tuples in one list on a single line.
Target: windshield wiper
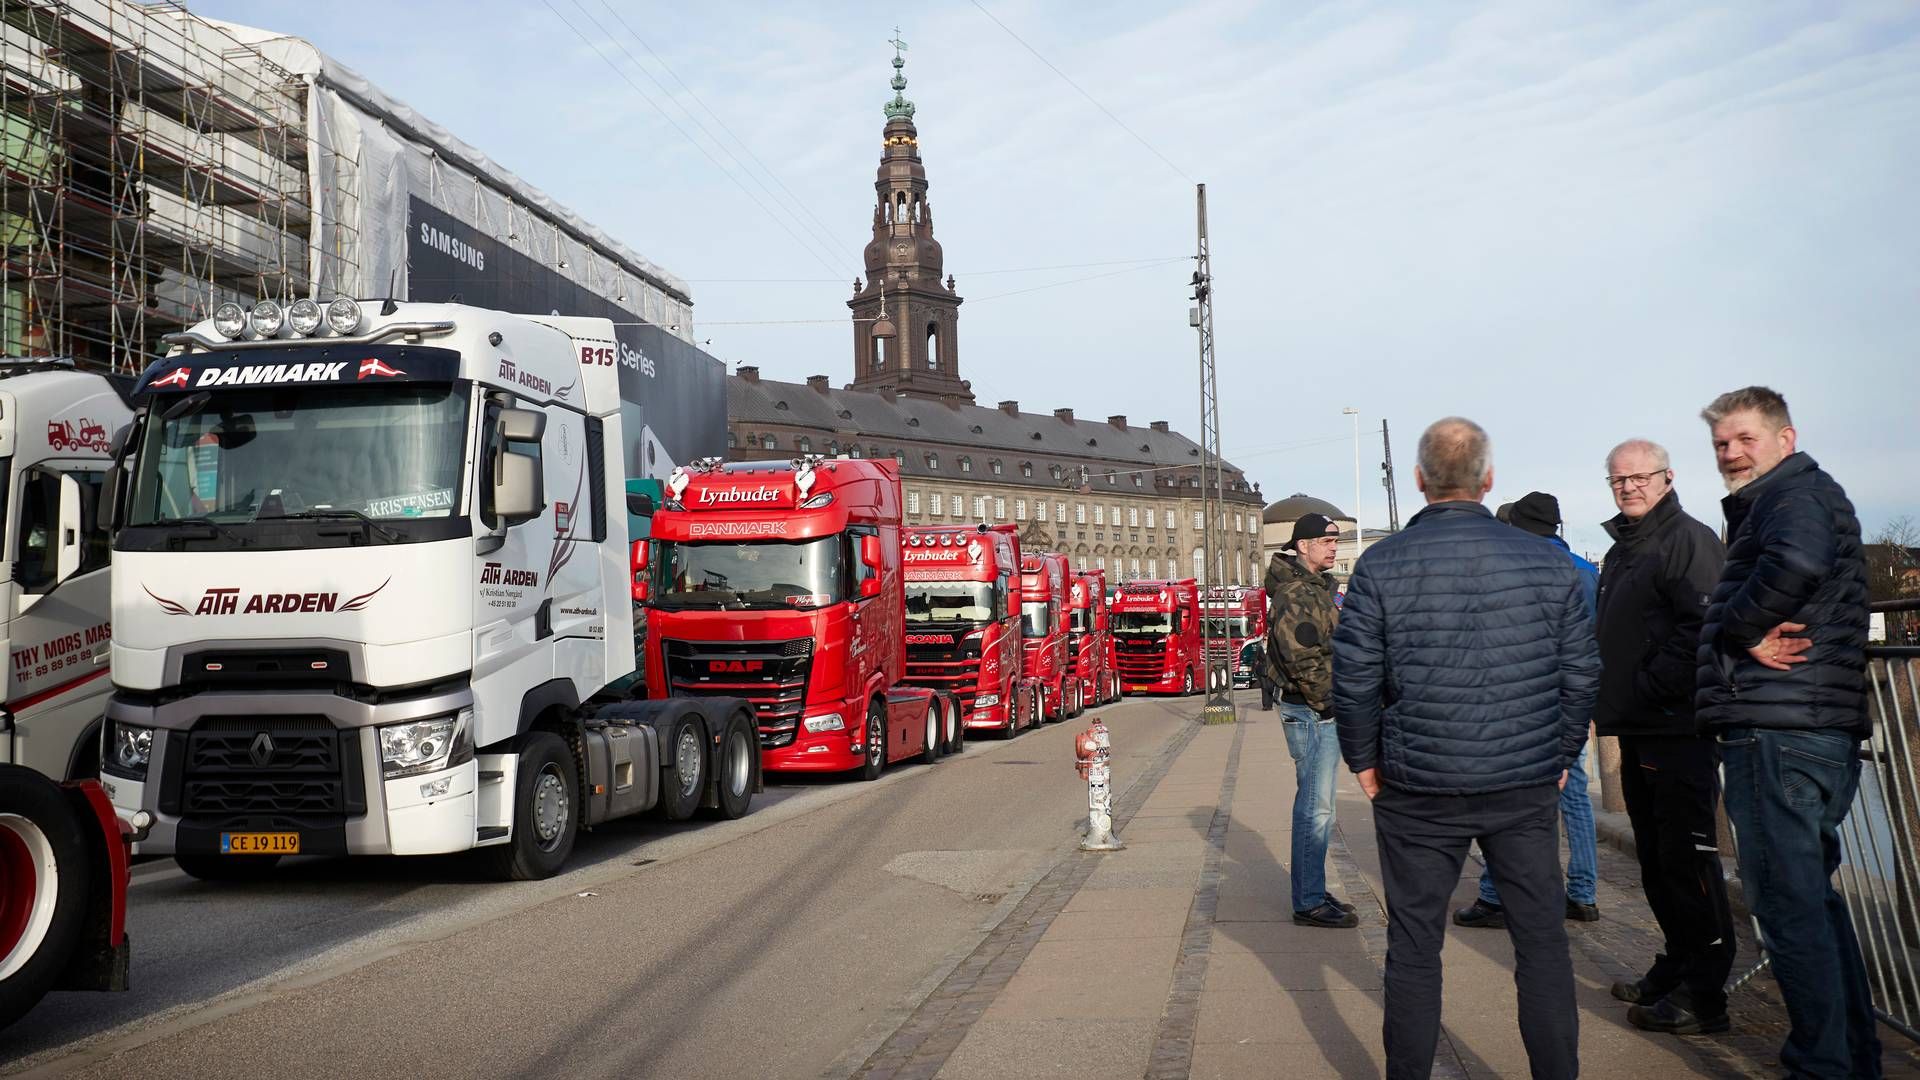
[(391, 536), (214, 529)]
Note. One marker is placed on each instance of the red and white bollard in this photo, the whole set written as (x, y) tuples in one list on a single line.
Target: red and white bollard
[(1093, 749)]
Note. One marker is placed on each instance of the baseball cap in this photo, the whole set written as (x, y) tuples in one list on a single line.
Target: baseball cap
[(1310, 527)]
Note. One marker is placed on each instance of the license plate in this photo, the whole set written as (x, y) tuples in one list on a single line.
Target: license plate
[(259, 843)]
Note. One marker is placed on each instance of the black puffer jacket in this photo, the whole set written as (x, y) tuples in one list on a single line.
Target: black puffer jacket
[(1464, 660), (1654, 589), (1793, 555)]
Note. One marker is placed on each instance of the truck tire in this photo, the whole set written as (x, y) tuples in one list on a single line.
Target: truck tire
[(956, 727), (684, 762), (44, 885), (876, 762), (546, 811), (935, 725), (734, 766), (227, 867), (1186, 684)]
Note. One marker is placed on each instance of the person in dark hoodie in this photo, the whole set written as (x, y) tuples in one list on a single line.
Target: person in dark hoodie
[(1781, 682), (1538, 513), (1653, 595)]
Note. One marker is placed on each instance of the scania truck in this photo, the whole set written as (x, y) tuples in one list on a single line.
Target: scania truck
[(1231, 616), (1090, 656), (963, 623), (1044, 577), (54, 608), (371, 589), (1156, 633), (782, 583)]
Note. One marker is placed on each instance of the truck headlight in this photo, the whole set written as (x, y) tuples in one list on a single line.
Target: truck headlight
[(985, 700), (832, 721), (127, 750), (424, 746)]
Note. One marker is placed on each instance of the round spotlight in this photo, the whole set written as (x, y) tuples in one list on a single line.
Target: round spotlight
[(229, 321), (304, 316), (266, 318), (343, 316)]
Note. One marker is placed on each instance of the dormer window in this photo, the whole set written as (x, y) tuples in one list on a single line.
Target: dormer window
[(933, 461), (1026, 469), (994, 466), (966, 464)]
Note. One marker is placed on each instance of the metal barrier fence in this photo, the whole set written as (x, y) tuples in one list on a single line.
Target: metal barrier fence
[(1880, 873)]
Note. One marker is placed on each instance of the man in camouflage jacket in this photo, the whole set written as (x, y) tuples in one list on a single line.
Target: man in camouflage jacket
[(1300, 618)]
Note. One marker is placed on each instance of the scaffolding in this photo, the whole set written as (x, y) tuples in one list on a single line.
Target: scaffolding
[(152, 166)]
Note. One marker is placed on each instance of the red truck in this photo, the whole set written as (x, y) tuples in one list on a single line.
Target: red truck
[(1090, 638), (963, 624), (1156, 634), (782, 583), (1043, 627), (1233, 615)]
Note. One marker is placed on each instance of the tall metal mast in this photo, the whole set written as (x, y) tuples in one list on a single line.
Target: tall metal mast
[(1219, 708), (1386, 466)]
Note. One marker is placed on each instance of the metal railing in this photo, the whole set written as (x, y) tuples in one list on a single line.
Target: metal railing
[(1879, 872)]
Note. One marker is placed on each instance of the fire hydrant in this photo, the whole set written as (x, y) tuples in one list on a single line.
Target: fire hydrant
[(1093, 749)]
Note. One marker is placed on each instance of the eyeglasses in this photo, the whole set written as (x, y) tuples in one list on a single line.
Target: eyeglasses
[(1633, 480)]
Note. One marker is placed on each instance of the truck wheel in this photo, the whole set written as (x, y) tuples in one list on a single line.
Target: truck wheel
[(1186, 684), (546, 798), (930, 753), (44, 883), (683, 766), (956, 727), (876, 762), (738, 754), (227, 867)]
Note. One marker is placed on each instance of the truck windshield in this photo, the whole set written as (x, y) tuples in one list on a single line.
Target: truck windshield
[(1237, 626), (1080, 620), (950, 601), (763, 574), (1036, 620), (1143, 622), (242, 463)]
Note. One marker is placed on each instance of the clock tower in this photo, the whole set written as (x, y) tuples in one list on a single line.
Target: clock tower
[(903, 286)]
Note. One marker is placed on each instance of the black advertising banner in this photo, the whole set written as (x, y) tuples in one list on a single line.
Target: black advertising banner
[(673, 396)]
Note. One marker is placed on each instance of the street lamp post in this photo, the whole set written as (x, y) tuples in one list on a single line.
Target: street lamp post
[(1358, 535)]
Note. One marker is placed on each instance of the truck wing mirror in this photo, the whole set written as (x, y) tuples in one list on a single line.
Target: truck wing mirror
[(517, 490), (522, 425), (639, 504), (639, 563), (67, 560), (870, 551), (870, 586)]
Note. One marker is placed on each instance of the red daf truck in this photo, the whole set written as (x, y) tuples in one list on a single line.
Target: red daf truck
[(782, 583), (1231, 616), (963, 624), (1156, 634), (1044, 577), (1090, 638)]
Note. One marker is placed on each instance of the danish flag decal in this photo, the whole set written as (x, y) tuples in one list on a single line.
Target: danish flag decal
[(373, 366), (177, 377)]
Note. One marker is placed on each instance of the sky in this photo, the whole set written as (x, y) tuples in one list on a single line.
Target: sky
[(1574, 223)]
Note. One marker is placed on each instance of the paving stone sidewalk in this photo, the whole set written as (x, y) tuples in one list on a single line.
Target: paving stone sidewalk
[(1178, 956)]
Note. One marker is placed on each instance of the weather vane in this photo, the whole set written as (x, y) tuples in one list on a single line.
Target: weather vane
[(898, 45)]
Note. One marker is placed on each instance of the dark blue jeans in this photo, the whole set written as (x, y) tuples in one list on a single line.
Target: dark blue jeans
[(1787, 792), (1315, 748)]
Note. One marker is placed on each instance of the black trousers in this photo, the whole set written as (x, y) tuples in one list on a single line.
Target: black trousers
[(1423, 845), (1672, 784)]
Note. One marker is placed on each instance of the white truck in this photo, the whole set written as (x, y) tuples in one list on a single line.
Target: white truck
[(54, 460), (371, 586)]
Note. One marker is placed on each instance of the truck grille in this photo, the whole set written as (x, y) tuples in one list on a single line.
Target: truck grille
[(948, 668), (1141, 659), (299, 765), (770, 674)]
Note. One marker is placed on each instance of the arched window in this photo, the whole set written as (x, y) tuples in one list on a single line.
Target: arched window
[(803, 444), (933, 346), (966, 464), (733, 440), (1026, 468), (933, 461), (768, 442), (1200, 565), (833, 448)]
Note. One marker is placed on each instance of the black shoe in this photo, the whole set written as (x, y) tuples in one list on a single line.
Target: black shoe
[(1329, 915), (1579, 912), (1341, 904), (1482, 915), (1674, 1018)]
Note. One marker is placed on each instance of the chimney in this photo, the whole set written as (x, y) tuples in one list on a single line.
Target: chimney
[(1159, 425), (1064, 415), (1118, 420), (1011, 408), (749, 373), (817, 382)]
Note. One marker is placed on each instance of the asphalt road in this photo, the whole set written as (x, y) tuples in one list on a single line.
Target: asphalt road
[(786, 943)]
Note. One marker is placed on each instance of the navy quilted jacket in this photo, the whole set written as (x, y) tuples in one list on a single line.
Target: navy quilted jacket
[(1464, 661), (1793, 555)]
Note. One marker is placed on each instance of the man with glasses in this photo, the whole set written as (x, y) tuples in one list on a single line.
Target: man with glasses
[(1781, 682), (1300, 620), (1653, 594)]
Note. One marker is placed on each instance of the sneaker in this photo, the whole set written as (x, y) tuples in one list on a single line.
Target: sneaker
[(1673, 1017), (1482, 915), (1328, 915), (1579, 912)]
